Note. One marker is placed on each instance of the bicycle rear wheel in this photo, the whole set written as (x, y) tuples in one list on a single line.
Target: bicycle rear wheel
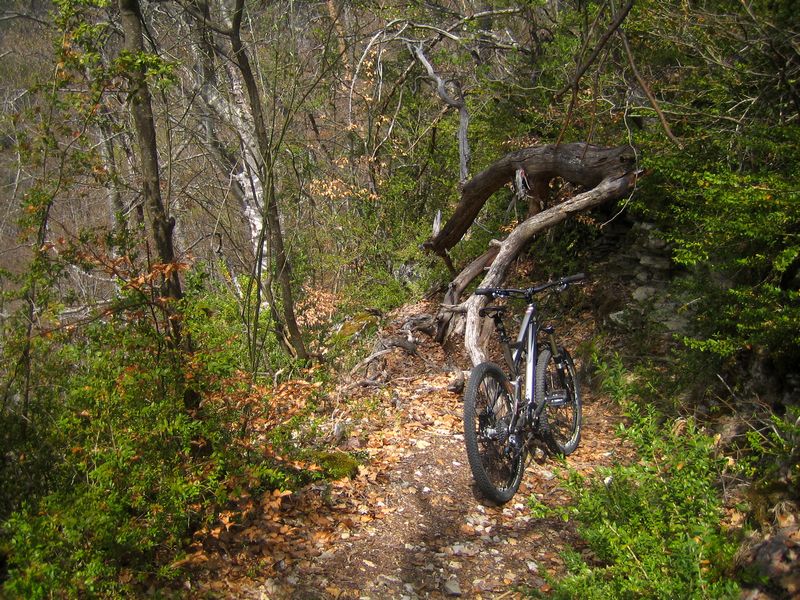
[(557, 386), (496, 467)]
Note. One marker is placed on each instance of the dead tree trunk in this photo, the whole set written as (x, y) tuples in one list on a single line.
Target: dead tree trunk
[(610, 174), (457, 287), (578, 163)]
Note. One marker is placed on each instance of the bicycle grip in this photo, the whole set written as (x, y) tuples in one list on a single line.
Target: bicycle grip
[(574, 278), (484, 292)]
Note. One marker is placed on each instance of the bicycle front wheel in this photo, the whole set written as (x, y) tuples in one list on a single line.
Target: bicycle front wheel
[(557, 386), (496, 466)]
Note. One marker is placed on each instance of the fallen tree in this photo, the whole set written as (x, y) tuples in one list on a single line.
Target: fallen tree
[(610, 174)]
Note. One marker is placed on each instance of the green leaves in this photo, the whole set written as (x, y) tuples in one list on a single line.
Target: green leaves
[(159, 71), (653, 527), (737, 233)]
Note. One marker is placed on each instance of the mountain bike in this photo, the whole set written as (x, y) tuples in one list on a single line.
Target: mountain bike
[(508, 413)]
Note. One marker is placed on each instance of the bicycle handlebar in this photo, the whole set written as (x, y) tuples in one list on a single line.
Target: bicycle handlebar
[(563, 282)]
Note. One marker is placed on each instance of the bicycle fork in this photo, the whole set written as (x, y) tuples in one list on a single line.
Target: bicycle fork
[(560, 396)]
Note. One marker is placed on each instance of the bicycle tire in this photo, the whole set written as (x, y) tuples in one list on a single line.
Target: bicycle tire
[(496, 467), (558, 386)]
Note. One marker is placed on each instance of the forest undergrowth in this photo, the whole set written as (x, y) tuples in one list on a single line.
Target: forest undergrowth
[(641, 509), (259, 487)]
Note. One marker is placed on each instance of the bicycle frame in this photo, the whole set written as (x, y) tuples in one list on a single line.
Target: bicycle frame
[(527, 339)]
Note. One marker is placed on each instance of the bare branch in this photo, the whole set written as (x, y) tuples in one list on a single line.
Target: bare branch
[(647, 91), (459, 103), (615, 24)]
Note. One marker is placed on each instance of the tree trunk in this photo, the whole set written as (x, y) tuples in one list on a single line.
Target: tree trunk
[(457, 287), (162, 225), (246, 174), (266, 174), (611, 188), (255, 178), (578, 163)]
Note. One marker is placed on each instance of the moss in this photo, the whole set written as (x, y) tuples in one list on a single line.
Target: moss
[(337, 465), (355, 326)]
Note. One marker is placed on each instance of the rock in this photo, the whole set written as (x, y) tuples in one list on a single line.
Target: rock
[(537, 582), (644, 225), (653, 242), (452, 587), (483, 585), (545, 474), (463, 550), (676, 324), (457, 385), (459, 549), (619, 318), (656, 262), (643, 293)]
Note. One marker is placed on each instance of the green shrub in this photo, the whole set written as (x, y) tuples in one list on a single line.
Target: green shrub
[(735, 231), (771, 458), (130, 445), (653, 527), (127, 484)]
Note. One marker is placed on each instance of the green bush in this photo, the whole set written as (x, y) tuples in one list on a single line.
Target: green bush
[(128, 483), (653, 527), (735, 233), (131, 444), (771, 459)]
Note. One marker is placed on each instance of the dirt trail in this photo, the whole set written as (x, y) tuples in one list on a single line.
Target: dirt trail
[(411, 524)]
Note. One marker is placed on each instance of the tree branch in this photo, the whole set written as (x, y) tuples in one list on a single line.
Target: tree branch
[(459, 103), (577, 163), (615, 24), (611, 188), (647, 92)]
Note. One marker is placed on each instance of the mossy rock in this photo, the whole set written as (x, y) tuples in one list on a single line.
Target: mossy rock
[(355, 326), (337, 465)]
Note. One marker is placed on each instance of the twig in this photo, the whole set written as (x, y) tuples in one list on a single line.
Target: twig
[(369, 359), (647, 91), (615, 24)]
